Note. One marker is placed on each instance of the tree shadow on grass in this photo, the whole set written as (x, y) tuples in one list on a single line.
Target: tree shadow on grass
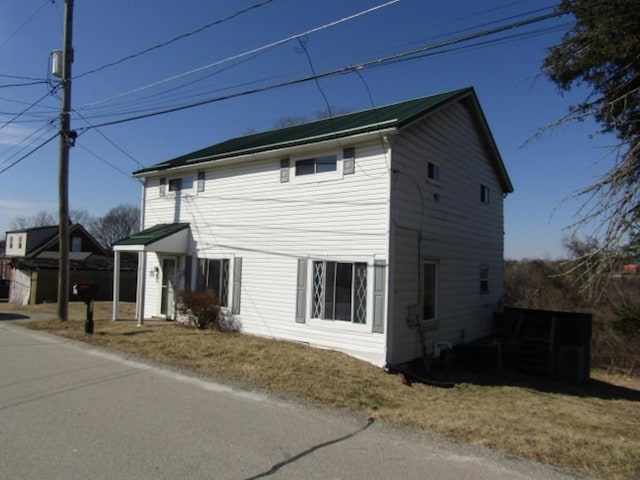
[(12, 316), (592, 388), (459, 372)]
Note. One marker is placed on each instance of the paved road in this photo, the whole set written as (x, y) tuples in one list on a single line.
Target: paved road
[(69, 411)]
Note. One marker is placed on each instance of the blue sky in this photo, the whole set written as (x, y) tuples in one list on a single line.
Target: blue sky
[(516, 98)]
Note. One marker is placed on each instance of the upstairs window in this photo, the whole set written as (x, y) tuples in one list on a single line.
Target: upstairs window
[(200, 181), (311, 166), (175, 184), (11, 241), (485, 194), (433, 171), (20, 242)]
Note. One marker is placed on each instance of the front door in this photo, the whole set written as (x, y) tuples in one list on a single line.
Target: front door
[(167, 300)]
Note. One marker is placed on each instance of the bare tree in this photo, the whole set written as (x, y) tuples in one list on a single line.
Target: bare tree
[(118, 223), (40, 219), (49, 219), (81, 216)]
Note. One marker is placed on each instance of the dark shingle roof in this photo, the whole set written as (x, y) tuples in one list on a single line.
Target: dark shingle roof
[(152, 234), (390, 116)]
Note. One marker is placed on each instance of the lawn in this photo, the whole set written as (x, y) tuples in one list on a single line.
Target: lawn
[(593, 429)]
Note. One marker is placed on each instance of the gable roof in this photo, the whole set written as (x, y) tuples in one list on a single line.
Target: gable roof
[(53, 244), (40, 239), (394, 116)]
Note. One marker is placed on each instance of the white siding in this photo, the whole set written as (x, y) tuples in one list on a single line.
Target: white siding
[(16, 245), (20, 287), (446, 222), (245, 211)]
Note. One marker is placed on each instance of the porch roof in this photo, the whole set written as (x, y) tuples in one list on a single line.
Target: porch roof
[(162, 237)]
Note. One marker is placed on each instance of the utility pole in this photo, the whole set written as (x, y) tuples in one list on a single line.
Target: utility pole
[(67, 138)]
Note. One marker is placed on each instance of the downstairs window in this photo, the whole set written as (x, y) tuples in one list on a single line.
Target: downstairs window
[(340, 291), (213, 274)]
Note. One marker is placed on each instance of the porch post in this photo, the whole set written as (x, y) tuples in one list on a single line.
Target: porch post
[(116, 284), (140, 286)]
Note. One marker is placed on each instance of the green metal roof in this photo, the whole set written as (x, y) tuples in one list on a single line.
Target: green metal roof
[(390, 116), (152, 234)]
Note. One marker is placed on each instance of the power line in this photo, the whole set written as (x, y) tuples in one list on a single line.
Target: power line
[(175, 39), (17, 145), (244, 54), (23, 84), (20, 77), (104, 160), (342, 70), (99, 132), (147, 99), (6, 40), (113, 110), (28, 154), (18, 115)]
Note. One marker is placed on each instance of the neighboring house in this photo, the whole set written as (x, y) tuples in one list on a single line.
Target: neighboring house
[(31, 258), (347, 233)]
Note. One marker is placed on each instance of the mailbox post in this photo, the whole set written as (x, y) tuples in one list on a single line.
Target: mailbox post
[(87, 293)]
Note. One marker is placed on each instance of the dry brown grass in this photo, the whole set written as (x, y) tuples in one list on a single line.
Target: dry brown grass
[(594, 429)]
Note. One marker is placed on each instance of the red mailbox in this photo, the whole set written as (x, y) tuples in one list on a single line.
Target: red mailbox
[(87, 293)]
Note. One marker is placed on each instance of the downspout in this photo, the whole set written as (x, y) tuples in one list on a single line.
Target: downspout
[(390, 300)]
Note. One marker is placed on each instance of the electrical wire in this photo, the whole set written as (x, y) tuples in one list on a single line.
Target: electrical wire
[(19, 77), (15, 32), (114, 112), (29, 153), (18, 115), (17, 145), (303, 46), (175, 39), (23, 84), (241, 55), (104, 160), (346, 69), (120, 149)]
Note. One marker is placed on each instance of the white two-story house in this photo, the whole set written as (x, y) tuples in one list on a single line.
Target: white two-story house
[(349, 233)]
